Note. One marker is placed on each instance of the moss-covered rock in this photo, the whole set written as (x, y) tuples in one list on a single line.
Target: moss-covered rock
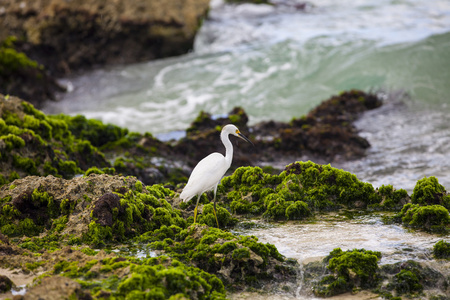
[(326, 132), (428, 191), (82, 273), (411, 278), (352, 269), (98, 30), (434, 218), (441, 250), (154, 278), (239, 261), (302, 189), (22, 76), (356, 270), (96, 210), (32, 143), (392, 199)]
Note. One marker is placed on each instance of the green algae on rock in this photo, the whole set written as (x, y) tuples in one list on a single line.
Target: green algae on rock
[(152, 278), (428, 209), (358, 269), (22, 76), (434, 218), (99, 30), (428, 191), (302, 189), (32, 143), (411, 278), (351, 270), (441, 250), (239, 261), (326, 132), (96, 210)]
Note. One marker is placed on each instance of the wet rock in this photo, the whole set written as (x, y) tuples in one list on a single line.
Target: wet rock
[(412, 278), (428, 191), (67, 35), (38, 211), (5, 284), (41, 200), (203, 137), (32, 143), (239, 261), (56, 287), (442, 250), (104, 207), (326, 133), (23, 77)]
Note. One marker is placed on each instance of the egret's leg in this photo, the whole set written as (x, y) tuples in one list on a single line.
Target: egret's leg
[(215, 214), (195, 210)]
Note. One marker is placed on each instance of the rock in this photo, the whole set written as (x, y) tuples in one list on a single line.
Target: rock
[(5, 284), (72, 35), (103, 208), (23, 77), (325, 134), (56, 287)]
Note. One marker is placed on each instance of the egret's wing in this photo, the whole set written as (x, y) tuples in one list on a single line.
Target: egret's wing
[(205, 176)]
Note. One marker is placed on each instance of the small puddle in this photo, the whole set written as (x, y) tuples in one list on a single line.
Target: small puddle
[(311, 241)]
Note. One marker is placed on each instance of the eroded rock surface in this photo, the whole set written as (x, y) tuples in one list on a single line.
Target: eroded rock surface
[(69, 35)]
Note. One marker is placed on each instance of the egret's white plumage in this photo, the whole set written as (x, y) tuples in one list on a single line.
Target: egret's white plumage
[(210, 170)]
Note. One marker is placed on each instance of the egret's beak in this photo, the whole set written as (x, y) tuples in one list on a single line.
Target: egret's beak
[(245, 138)]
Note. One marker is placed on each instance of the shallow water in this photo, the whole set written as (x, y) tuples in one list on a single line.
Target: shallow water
[(308, 242), (311, 242)]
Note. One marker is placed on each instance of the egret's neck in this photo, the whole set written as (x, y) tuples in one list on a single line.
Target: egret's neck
[(228, 147)]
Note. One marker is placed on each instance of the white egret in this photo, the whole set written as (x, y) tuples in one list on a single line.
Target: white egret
[(210, 170)]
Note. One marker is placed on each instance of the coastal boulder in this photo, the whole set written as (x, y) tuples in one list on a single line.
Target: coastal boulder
[(69, 35)]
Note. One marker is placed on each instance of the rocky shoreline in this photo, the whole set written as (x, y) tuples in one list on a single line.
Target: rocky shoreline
[(80, 199), (37, 144), (92, 211)]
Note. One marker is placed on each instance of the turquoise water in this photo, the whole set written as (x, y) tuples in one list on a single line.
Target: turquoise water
[(278, 62)]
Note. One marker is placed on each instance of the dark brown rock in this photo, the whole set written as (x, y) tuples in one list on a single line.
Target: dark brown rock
[(72, 35), (103, 208), (5, 284), (326, 133)]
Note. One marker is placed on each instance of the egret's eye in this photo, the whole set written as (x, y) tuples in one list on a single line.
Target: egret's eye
[(237, 132)]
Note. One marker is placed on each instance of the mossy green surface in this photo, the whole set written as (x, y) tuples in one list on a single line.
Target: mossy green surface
[(29, 214), (441, 250), (434, 218), (134, 213), (56, 151), (351, 270), (65, 146), (302, 189), (228, 256), (410, 279), (147, 278), (94, 131), (428, 191), (12, 61)]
